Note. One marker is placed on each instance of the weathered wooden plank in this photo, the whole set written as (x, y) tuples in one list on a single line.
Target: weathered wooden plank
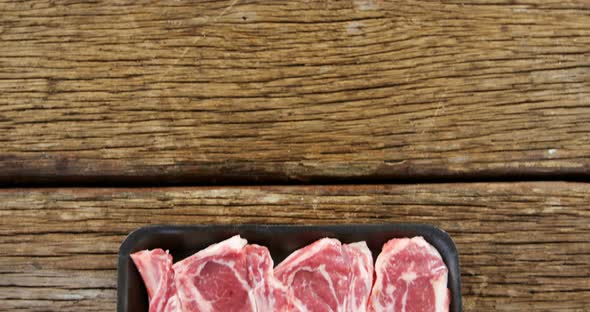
[(204, 91), (523, 246)]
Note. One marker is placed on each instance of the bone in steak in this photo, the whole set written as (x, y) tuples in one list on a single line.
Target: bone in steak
[(155, 268), (230, 276), (411, 276), (328, 276)]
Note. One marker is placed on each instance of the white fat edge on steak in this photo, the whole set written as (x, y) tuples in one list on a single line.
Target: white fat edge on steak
[(440, 293), (230, 245), (366, 274), (192, 293), (267, 301), (299, 255), (380, 271)]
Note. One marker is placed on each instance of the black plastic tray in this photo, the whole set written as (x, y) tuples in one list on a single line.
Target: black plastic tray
[(281, 240)]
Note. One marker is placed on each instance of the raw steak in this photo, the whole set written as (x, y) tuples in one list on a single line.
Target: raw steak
[(328, 276), (411, 276), (230, 276), (155, 267), (269, 294)]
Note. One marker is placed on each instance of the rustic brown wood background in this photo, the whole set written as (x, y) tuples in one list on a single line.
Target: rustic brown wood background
[(121, 92), (205, 91), (522, 246)]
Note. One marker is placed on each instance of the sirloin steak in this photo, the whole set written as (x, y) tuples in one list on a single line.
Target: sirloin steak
[(411, 276), (328, 276), (155, 268)]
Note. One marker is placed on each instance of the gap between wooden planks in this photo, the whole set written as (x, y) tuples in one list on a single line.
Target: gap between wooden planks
[(523, 246), (205, 91)]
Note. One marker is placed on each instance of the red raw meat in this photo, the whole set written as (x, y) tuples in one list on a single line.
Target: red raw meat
[(328, 276), (269, 294), (155, 267), (361, 262), (411, 276), (230, 276)]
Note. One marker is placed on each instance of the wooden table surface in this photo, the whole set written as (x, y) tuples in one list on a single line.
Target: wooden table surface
[(522, 246), (274, 91), (361, 100)]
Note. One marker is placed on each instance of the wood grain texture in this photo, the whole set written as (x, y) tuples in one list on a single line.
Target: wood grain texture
[(523, 246), (205, 91)]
